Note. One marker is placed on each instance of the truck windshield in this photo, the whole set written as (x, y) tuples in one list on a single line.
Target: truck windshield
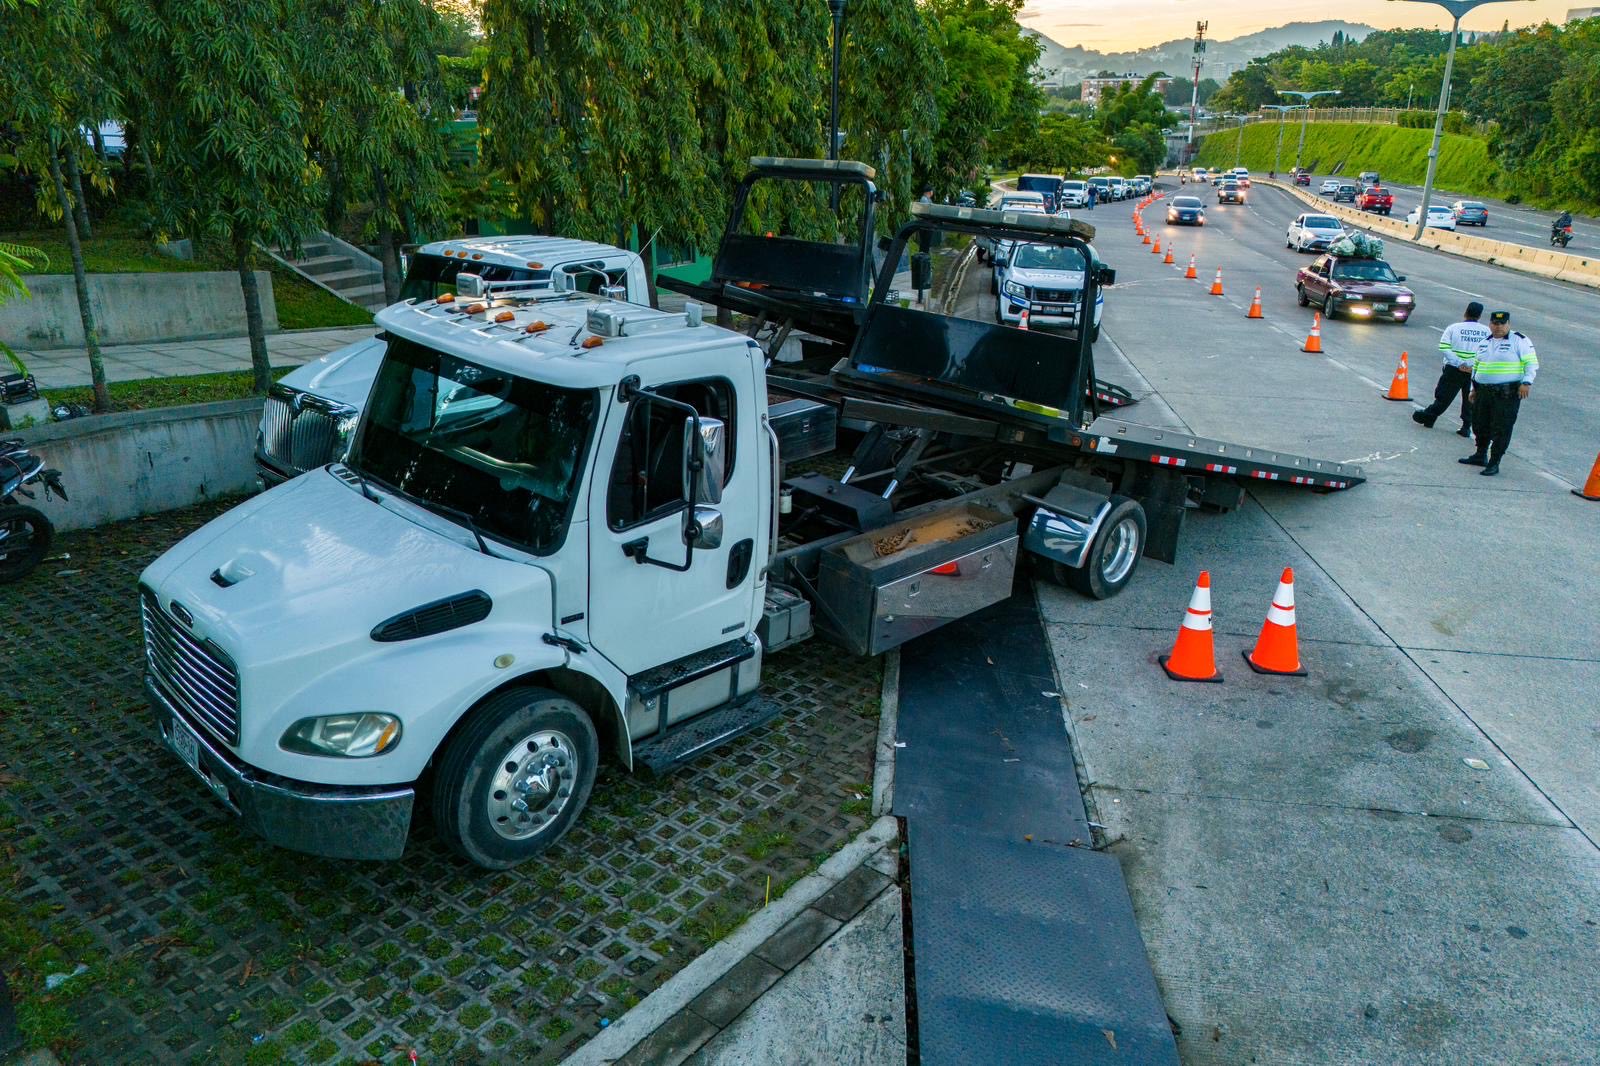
[(506, 451), (1047, 257), (432, 275)]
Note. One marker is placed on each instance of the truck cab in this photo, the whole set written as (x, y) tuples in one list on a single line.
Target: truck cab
[(311, 413)]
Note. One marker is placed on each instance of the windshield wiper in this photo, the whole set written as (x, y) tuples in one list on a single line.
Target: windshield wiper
[(444, 510)]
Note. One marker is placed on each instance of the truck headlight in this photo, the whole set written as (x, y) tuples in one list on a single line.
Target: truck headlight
[(1013, 289), (348, 736)]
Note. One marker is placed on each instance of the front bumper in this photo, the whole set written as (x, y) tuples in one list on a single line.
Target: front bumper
[(326, 820), (1011, 311), (1364, 309)]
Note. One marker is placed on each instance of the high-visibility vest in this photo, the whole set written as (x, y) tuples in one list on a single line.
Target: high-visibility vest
[(1459, 344), (1506, 359)]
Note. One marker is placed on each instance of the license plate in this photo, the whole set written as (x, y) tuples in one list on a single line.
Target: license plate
[(1052, 309), (1380, 307), (186, 744)]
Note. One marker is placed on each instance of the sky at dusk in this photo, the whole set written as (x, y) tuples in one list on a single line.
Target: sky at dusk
[(1109, 27)]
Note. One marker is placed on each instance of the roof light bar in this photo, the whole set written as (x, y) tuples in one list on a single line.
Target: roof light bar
[(842, 166)]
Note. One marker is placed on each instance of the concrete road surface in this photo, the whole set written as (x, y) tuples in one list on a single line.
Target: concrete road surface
[(1394, 859)]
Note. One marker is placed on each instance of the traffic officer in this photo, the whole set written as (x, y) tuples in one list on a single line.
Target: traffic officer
[(1458, 346), (1502, 375)]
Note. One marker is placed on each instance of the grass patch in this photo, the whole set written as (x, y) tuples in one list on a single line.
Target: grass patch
[(150, 393), (302, 305), (1397, 153)]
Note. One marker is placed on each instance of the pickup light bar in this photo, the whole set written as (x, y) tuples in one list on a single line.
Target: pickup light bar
[(1032, 221), (841, 166)]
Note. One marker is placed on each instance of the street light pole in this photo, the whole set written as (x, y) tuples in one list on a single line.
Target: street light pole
[(1457, 8), (1305, 98), (1238, 149), (1277, 160), (837, 8)]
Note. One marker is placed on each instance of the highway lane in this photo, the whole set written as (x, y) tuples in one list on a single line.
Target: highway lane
[(1558, 431), (1514, 224)]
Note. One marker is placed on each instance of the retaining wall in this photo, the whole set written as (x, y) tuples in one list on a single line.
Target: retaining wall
[(134, 308), (1562, 266), (139, 462)]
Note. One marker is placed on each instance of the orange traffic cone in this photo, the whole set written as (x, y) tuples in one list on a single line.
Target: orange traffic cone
[(1313, 342), (1591, 488), (1399, 389), (1156, 249), (1216, 284), (1147, 238), (1255, 306), (1193, 657), (1190, 273), (1023, 322), (1168, 260), (1277, 650)]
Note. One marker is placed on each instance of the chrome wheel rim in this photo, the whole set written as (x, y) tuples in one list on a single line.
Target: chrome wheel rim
[(532, 784), (1122, 548)]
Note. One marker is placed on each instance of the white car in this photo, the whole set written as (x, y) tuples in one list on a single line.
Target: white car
[(1312, 233), (1047, 279), (1242, 176), (1119, 188), (1440, 216), (1074, 194), (1028, 203), (1330, 186)]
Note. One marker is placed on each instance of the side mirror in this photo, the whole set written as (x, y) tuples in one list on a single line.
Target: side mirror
[(1400, 277), (704, 531), (1000, 262), (921, 271), (1105, 275), (705, 460)]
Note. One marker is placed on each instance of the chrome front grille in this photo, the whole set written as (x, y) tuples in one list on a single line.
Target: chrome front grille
[(300, 432), (194, 674)]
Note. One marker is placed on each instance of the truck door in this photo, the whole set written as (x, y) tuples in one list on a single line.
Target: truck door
[(642, 615)]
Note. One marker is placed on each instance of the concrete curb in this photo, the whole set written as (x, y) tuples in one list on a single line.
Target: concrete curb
[(672, 998), (1557, 266), (888, 722)]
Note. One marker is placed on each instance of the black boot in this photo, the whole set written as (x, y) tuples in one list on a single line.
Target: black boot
[(1421, 419), (1464, 431), (1475, 459), (1491, 470)]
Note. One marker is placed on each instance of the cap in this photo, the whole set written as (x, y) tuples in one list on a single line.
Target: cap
[(1499, 318), (1474, 309)]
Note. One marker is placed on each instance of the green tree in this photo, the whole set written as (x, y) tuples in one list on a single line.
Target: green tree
[(1247, 89), (1067, 144), (228, 128), (51, 58), (987, 105)]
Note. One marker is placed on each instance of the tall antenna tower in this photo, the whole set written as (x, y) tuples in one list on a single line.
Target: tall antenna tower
[(1194, 95)]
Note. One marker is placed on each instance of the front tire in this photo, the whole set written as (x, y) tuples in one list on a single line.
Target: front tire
[(515, 776), (1300, 295), (25, 536), (1330, 308), (1114, 555)]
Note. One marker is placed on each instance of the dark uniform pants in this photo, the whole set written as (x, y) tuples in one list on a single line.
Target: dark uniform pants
[(1494, 413), (1451, 381)]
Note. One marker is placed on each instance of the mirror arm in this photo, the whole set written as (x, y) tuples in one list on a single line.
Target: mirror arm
[(628, 390)]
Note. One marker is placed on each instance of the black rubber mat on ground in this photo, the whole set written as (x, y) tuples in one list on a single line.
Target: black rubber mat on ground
[(1025, 946)]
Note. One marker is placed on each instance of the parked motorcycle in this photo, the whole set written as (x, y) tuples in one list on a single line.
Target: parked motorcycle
[(1561, 235), (25, 533)]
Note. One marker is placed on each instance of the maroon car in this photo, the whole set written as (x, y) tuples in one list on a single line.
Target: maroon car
[(1360, 288)]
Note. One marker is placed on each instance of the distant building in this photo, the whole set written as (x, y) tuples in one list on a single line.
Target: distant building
[(1094, 88), (1578, 14)]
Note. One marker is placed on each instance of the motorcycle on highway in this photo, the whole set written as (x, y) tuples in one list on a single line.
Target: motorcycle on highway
[(25, 532), (1561, 231)]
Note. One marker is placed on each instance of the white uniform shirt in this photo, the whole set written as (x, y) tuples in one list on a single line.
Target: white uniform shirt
[(1506, 359), (1459, 344)]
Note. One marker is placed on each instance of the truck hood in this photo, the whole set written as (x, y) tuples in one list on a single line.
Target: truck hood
[(1047, 279), (344, 375), (309, 568)]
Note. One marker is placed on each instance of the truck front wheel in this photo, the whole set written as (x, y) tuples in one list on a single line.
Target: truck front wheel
[(515, 776), (1114, 555)]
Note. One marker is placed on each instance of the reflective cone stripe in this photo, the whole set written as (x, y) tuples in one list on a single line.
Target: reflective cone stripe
[(1193, 655), (1190, 273), (1216, 284), (1277, 650), (1168, 260), (1399, 389), (1255, 305), (1591, 488), (1313, 342)]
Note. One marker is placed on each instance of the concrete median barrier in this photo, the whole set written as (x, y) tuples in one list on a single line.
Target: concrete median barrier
[(1560, 266)]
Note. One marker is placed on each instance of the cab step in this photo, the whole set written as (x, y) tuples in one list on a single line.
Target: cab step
[(682, 671), (687, 740)]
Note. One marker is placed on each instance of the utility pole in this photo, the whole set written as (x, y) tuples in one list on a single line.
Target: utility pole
[(1277, 160), (1194, 89)]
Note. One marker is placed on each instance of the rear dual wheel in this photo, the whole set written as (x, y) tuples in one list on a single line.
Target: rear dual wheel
[(1114, 555)]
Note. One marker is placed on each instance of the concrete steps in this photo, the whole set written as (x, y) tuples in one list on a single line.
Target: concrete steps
[(341, 269)]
